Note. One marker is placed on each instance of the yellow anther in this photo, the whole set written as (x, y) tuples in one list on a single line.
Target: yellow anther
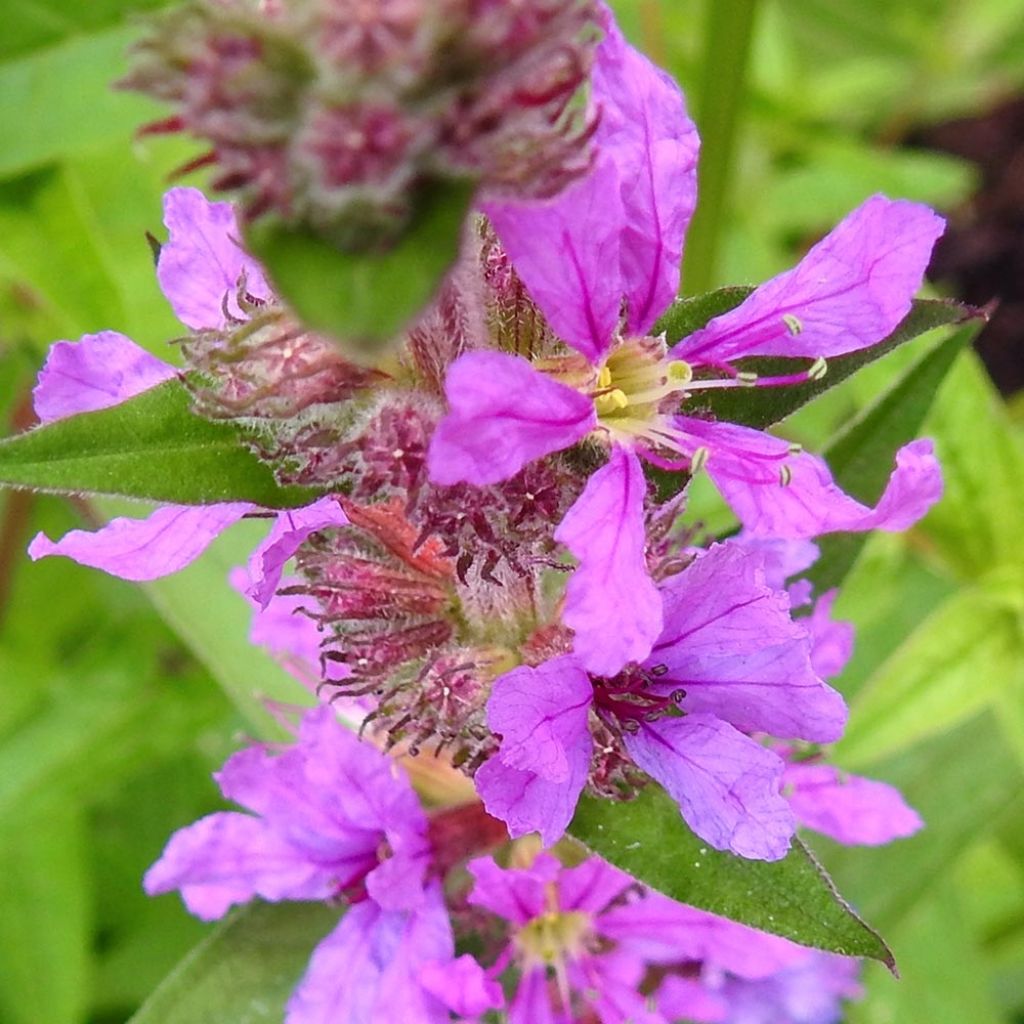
[(604, 378), (793, 324), (818, 369), (611, 402), (699, 459), (785, 476), (795, 449), (746, 378), (679, 371)]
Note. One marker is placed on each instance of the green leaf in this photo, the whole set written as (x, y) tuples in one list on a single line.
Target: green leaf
[(957, 661), (60, 99), (861, 456), (365, 298), (761, 407), (977, 525), (151, 447), (792, 897), (245, 970), (963, 783), (45, 925)]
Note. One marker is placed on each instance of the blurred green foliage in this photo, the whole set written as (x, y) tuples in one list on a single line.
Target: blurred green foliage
[(110, 713)]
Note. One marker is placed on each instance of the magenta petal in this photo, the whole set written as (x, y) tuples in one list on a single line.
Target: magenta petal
[(503, 414), (526, 802), (517, 894), (730, 643), (368, 968), (662, 931), (567, 250), (848, 808), (541, 715), (291, 528), (690, 999), (747, 465), (645, 129), (611, 603), (462, 985), (831, 642), (726, 784), (145, 549), (591, 886), (96, 372), (228, 858), (848, 292), (202, 264)]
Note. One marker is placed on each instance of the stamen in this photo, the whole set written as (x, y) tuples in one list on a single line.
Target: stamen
[(785, 475), (793, 324), (699, 459), (818, 368)]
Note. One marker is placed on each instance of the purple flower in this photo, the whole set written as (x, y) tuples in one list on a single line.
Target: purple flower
[(601, 260), (201, 270), (327, 816), (729, 661), (583, 938)]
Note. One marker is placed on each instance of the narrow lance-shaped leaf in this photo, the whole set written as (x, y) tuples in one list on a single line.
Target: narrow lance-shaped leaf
[(245, 970), (365, 298), (151, 447), (792, 897)]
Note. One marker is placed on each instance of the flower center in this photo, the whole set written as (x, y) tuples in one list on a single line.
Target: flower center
[(554, 936), (632, 385)]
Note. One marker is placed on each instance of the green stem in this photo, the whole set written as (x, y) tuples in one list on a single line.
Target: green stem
[(728, 30)]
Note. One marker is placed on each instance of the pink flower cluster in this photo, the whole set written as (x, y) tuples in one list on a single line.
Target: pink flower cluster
[(487, 573)]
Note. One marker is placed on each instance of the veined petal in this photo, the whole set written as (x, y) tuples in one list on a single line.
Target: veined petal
[(96, 372), (502, 414), (848, 292), (517, 894), (645, 129), (228, 858), (726, 784), (730, 643), (145, 549), (850, 809), (748, 467), (202, 263), (291, 528), (541, 715), (528, 803), (368, 968), (568, 250), (611, 603)]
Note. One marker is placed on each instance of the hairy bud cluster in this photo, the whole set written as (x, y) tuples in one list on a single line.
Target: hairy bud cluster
[(334, 113)]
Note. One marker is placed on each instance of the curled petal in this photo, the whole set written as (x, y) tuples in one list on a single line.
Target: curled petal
[(462, 985), (777, 493), (541, 715), (831, 641), (202, 264), (849, 291), (726, 784), (782, 559), (96, 372), (145, 549), (503, 414), (291, 528), (567, 250), (848, 808), (528, 803), (611, 603), (229, 858), (645, 129)]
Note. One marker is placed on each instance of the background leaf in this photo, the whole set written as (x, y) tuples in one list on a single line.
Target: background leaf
[(245, 970), (791, 897), (151, 447)]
